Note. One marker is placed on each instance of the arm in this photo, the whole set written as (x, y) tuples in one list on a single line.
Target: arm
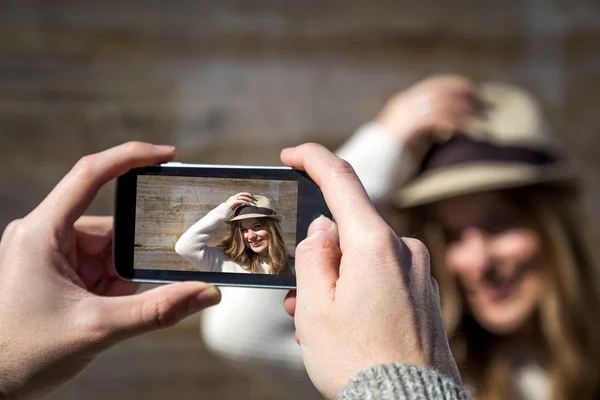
[(192, 245), (380, 160), (401, 382)]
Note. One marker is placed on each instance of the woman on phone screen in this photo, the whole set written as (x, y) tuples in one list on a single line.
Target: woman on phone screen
[(254, 243)]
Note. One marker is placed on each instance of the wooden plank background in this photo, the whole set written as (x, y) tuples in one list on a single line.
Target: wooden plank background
[(167, 206)]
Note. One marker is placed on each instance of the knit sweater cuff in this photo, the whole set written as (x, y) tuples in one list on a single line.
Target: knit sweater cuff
[(401, 382)]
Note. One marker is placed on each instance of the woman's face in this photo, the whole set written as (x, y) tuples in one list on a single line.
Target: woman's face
[(255, 235), (495, 254)]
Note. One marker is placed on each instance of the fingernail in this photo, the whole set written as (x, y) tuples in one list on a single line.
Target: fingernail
[(286, 150), (209, 296), (164, 147), (320, 224)]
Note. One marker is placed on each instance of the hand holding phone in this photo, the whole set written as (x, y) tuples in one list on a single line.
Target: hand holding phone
[(365, 297), (61, 303)]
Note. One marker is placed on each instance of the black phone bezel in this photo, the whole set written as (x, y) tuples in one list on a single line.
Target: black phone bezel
[(310, 205)]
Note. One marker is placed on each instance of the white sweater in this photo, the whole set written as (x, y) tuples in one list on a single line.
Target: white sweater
[(192, 245), (382, 164)]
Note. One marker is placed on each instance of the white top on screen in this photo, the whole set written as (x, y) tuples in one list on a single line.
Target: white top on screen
[(192, 245)]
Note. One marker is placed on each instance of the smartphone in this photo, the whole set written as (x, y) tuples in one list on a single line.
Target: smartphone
[(227, 225)]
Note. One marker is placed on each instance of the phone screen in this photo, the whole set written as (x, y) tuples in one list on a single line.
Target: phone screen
[(221, 224)]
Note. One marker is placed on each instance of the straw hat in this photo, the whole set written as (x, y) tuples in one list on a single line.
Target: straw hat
[(508, 145), (260, 209)]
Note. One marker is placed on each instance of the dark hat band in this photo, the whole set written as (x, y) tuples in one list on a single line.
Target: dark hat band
[(461, 149), (244, 210)]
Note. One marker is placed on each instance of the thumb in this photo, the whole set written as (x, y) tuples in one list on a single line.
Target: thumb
[(158, 308), (318, 261)]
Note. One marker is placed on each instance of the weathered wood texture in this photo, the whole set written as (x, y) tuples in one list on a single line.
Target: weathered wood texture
[(167, 206)]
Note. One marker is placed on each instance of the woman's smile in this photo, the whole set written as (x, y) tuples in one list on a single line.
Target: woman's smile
[(255, 235), (497, 285), (498, 289), (496, 254), (255, 242)]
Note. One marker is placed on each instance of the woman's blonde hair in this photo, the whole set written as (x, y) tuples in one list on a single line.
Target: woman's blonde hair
[(568, 316), (235, 248)]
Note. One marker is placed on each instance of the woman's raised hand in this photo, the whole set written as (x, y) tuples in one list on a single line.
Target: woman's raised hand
[(240, 199), (436, 106)]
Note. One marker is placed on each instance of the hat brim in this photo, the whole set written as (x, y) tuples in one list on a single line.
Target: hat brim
[(471, 178), (248, 216)]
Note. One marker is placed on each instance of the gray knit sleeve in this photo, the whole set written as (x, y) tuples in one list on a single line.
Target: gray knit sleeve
[(401, 382)]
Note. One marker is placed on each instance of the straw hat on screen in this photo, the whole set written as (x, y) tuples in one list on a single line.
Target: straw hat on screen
[(507, 146), (260, 209)]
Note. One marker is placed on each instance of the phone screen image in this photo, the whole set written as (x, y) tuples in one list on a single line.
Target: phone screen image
[(239, 238), (227, 225)]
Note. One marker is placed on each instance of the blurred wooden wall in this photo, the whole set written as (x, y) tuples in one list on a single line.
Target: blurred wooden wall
[(235, 81)]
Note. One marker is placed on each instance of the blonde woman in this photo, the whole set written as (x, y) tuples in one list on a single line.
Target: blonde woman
[(500, 212), (253, 245)]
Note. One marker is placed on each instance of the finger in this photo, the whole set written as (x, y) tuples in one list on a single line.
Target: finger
[(290, 303), (435, 290), (94, 234), (10, 228), (245, 199), (317, 263), (239, 203), (417, 272), (94, 250), (74, 193), (119, 287), (7, 233), (420, 259), (343, 191), (157, 308)]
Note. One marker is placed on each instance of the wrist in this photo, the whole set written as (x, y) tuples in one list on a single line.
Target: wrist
[(407, 137), (404, 133), (7, 385), (389, 135), (400, 132), (21, 371), (14, 366), (400, 380), (226, 211)]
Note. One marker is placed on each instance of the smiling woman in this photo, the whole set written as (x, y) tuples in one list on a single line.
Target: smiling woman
[(254, 243), (479, 177), (496, 251)]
